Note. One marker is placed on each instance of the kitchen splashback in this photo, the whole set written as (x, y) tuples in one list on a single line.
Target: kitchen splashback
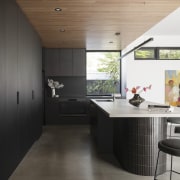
[(74, 87)]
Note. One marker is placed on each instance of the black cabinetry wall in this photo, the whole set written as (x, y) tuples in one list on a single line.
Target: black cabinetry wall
[(68, 66), (10, 118), (20, 89), (65, 62)]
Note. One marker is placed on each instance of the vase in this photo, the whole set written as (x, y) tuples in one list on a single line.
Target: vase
[(53, 92), (136, 100)]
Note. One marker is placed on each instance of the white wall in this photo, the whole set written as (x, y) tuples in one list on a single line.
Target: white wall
[(143, 73)]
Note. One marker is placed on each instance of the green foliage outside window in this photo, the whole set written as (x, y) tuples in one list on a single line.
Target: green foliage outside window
[(169, 54), (146, 53), (110, 64), (158, 53), (102, 87)]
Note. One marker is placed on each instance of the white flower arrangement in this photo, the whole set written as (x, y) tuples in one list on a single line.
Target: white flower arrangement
[(54, 85)]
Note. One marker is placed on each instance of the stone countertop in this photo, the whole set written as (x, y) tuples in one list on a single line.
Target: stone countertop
[(122, 108)]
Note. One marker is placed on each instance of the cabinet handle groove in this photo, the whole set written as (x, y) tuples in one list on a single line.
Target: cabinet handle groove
[(17, 97), (32, 94)]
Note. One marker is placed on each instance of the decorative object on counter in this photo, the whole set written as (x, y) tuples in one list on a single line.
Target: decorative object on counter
[(137, 99), (54, 85), (163, 108)]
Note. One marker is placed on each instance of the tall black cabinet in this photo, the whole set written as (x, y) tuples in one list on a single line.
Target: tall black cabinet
[(20, 89), (3, 124), (10, 119)]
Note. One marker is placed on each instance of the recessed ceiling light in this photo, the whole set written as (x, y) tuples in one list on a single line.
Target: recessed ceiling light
[(62, 30), (58, 9), (117, 33), (111, 42)]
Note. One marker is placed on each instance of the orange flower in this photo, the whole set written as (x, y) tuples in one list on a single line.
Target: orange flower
[(133, 90)]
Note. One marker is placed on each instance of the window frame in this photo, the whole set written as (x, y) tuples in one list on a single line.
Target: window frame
[(145, 48)]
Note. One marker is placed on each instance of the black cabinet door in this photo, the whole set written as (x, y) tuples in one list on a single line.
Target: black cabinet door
[(36, 94), (12, 157), (29, 84), (3, 130), (79, 62), (52, 66), (24, 85), (30, 75), (65, 63), (2, 65), (58, 62), (52, 111), (17, 44)]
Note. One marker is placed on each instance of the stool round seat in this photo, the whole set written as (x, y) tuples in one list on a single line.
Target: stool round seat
[(174, 120), (170, 146)]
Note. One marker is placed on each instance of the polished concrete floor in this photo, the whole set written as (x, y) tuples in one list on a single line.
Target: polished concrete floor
[(67, 153)]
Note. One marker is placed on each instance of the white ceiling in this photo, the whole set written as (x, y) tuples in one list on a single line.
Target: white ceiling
[(166, 33), (169, 26)]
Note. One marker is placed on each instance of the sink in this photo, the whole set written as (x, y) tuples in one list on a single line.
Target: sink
[(104, 100)]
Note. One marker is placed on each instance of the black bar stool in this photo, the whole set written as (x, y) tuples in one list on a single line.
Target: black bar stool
[(176, 121), (171, 147)]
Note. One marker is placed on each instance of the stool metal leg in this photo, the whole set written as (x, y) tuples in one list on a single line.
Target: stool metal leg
[(155, 174), (170, 129), (171, 167)]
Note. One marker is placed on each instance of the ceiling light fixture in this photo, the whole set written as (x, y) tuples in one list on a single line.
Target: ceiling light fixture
[(58, 9), (62, 30), (117, 33), (137, 47), (111, 42)]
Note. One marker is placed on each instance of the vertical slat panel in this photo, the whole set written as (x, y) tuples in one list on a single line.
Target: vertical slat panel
[(138, 144)]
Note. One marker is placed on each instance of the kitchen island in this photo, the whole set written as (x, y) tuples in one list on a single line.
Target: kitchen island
[(131, 133)]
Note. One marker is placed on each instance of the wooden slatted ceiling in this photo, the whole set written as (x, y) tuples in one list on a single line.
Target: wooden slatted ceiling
[(92, 24)]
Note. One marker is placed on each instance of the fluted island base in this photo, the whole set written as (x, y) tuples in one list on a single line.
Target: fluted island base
[(136, 144)]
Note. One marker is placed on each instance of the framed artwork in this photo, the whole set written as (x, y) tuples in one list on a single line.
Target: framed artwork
[(172, 87)]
